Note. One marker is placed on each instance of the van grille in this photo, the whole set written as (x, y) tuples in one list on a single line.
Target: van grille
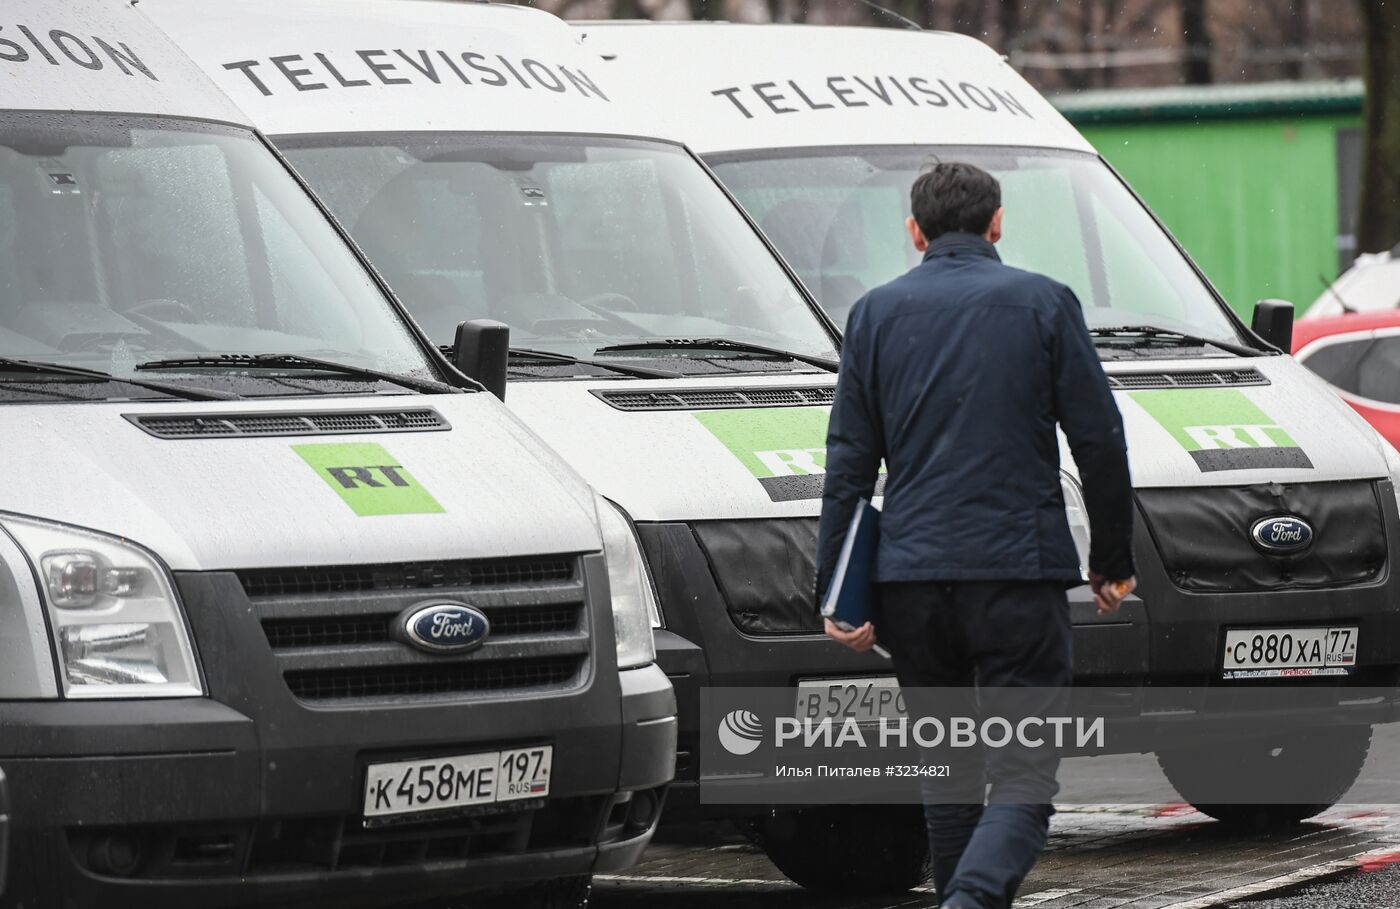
[(271, 582), (1219, 378), (1203, 535), (224, 425), (432, 679), (711, 398), (332, 629)]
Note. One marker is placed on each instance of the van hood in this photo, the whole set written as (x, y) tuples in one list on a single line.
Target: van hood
[(678, 450), (1264, 419), (484, 487)]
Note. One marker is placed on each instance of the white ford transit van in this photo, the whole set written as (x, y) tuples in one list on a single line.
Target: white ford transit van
[(1266, 507), (290, 610), (491, 171)]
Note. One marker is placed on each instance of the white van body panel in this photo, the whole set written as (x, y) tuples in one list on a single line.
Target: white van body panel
[(210, 504), (99, 56), (730, 87), (328, 66)]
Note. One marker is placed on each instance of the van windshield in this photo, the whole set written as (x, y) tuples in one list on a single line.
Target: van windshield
[(578, 244), (837, 215), (126, 241)]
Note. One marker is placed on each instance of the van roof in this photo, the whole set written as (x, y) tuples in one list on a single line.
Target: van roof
[(746, 87), (336, 66), (99, 56)]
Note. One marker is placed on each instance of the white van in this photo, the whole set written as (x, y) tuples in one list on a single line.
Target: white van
[(1266, 507), (292, 610), (490, 171)]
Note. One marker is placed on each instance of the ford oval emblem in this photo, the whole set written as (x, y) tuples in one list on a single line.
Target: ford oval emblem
[(1281, 535), (445, 627)]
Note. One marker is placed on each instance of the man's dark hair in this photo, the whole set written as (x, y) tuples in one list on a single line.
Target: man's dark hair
[(955, 197)]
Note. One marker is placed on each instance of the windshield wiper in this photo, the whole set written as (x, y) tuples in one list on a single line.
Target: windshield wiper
[(169, 388), (641, 372), (720, 344), (1150, 333), (296, 361)]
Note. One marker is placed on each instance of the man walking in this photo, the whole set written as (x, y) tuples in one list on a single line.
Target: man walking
[(955, 375)]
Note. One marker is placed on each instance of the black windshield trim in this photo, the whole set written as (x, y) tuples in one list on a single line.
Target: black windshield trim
[(276, 361)]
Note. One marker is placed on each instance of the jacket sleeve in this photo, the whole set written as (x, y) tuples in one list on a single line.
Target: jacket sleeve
[(1087, 413), (854, 447)]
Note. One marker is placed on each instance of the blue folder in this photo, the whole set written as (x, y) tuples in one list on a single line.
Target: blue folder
[(850, 600)]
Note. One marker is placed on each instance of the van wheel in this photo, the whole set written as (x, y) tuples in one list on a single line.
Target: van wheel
[(1329, 759), (555, 893), (883, 849)]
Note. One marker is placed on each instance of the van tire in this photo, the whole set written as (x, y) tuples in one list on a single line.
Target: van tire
[(883, 848), (554, 893), (1332, 759)]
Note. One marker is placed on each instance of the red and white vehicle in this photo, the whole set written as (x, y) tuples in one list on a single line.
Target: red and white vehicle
[(1359, 355)]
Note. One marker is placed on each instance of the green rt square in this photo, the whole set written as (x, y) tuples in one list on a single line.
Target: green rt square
[(368, 479)]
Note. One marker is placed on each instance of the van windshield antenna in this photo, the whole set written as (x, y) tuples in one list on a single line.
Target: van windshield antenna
[(885, 11)]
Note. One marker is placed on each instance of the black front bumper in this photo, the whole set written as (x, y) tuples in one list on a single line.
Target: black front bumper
[(1163, 638), (251, 796)]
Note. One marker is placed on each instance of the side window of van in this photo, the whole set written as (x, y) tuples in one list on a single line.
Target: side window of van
[(175, 235)]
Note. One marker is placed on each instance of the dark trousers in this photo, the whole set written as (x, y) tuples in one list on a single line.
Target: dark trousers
[(989, 635)]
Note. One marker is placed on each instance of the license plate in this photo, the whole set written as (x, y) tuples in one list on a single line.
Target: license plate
[(861, 699), (459, 781), (1272, 653)]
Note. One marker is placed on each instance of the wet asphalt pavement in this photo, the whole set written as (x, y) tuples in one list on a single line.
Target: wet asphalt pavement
[(1164, 856), (1376, 888), (1127, 844)]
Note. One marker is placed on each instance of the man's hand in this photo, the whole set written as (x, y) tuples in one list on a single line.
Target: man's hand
[(860, 640), (1109, 595)]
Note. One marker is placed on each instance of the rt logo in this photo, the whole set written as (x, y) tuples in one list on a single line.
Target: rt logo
[(740, 732)]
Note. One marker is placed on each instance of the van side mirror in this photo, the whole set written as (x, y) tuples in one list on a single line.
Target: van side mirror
[(1273, 321), (482, 352)]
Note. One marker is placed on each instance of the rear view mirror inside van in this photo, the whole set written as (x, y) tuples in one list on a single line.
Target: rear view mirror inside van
[(482, 352)]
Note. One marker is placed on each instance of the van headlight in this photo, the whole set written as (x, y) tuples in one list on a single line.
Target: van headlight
[(633, 600), (1078, 516), (116, 623)]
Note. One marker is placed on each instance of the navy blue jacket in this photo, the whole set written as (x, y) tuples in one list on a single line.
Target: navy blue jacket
[(955, 375)]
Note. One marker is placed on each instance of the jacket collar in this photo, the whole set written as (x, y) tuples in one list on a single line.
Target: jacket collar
[(956, 243)]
